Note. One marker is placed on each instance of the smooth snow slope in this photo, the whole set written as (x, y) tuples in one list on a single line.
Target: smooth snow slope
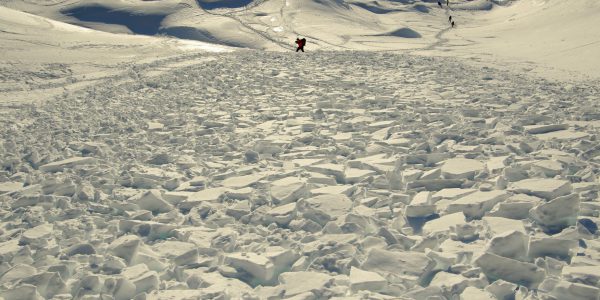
[(42, 57), (553, 38)]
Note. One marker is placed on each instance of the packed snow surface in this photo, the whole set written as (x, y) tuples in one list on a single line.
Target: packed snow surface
[(141, 167)]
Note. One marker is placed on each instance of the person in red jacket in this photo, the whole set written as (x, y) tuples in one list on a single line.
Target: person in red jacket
[(300, 43)]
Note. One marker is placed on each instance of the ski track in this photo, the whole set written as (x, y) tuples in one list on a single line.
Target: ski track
[(211, 114)]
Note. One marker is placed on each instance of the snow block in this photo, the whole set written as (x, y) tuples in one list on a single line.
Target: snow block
[(498, 267)]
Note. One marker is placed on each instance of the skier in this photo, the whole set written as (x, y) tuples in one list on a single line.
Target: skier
[(448, 3), (450, 19), (440, 4), (300, 43), (452, 24)]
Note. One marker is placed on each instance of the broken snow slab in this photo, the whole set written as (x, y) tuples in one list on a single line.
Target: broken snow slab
[(296, 283), (333, 205), (207, 195), (562, 135), (412, 266), (475, 205), (10, 186), (329, 169), (461, 168), (243, 181), (353, 175), (542, 187), (288, 189), (538, 129), (58, 166), (497, 225), (451, 194), (444, 223), (498, 267), (365, 280), (345, 189)]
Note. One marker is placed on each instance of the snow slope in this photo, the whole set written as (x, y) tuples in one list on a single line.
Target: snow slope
[(42, 57), (149, 167), (552, 38)]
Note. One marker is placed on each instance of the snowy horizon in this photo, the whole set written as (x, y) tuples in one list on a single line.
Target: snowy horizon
[(183, 149)]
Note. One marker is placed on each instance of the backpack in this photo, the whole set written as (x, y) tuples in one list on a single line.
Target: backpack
[(303, 40)]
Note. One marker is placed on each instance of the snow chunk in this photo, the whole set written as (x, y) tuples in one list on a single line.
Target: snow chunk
[(497, 225), (329, 169), (461, 168), (332, 205), (444, 223), (295, 283), (364, 280), (537, 129), (474, 293), (475, 205), (67, 163), (152, 200), (558, 213), (257, 265), (410, 264), (552, 247), (540, 187), (37, 236), (243, 181), (498, 267), (287, 190), (589, 275), (510, 244)]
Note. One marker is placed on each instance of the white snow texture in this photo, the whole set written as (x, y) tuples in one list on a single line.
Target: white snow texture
[(181, 149)]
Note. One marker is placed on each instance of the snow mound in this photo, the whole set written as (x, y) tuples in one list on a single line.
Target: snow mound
[(405, 33)]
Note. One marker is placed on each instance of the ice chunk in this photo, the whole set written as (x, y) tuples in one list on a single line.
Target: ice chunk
[(541, 187), (589, 275)]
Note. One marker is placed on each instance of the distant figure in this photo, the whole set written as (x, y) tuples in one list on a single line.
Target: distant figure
[(452, 24), (440, 4), (300, 43), (450, 19), (448, 3)]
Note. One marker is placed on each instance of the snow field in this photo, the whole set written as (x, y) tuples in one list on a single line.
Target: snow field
[(334, 175)]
